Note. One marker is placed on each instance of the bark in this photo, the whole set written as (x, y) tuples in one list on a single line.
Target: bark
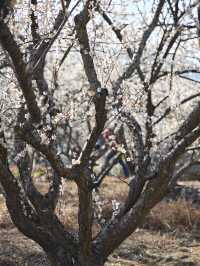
[(59, 257), (22, 73)]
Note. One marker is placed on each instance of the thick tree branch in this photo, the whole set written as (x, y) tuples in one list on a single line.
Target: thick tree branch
[(99, 99), (23, 76), (100, 93), (120, 227), (168, 110), (181, 172), (190, 123), (29, 134), (24, 163)]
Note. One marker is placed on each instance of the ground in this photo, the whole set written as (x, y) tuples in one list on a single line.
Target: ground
[(170, 236)]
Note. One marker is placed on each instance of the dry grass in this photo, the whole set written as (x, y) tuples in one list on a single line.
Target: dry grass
[(152, 239), (157, 237), (5, 221), (175, 215), (180, 215), (123, 262), (67, 208)]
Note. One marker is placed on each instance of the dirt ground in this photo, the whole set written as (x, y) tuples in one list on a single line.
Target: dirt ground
[(171, 235), (142, 248)]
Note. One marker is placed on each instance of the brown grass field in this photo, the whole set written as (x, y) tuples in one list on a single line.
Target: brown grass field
[(170, 235)]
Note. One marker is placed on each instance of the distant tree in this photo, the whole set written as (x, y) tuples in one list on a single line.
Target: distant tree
[(141, 63)]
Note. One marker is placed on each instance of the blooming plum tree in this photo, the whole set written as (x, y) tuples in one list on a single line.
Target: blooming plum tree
[(68, 70)]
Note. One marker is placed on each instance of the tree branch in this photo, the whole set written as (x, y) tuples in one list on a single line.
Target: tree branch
[(120, 227), (100, 93), (23, 76), (30, 135)]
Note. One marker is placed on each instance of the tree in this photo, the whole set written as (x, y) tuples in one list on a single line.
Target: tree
[(133, 82)]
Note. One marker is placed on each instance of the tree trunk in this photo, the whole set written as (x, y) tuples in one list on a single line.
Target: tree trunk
[(61, 258)]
